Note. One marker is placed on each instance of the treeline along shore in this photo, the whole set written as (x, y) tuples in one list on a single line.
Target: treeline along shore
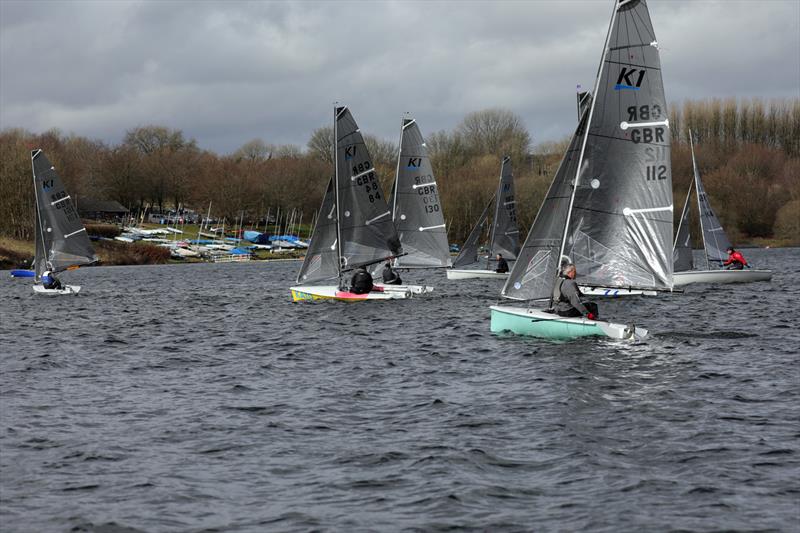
[(748, 152)]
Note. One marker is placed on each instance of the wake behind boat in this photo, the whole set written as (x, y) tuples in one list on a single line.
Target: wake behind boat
[(354, 228), (503, 238), (715, 242), (615, 223), (61, 240)]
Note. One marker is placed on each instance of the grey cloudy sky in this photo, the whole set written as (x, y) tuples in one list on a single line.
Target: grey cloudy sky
[(229, 72)]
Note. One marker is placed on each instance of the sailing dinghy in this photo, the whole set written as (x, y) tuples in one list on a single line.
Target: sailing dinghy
[(61, 240), (354, 227), (504, 236), (715, 243), (416, 210), (615, 223)]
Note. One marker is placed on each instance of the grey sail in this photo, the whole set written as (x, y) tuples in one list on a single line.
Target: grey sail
[(532, 276), (584, 101), (366, 231), (682, 249), (61, 241), (417, 211), (621, 223), (321, 261), (715, 241), (505, 233), (469, 252)]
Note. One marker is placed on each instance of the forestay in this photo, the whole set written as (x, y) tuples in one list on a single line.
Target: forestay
[(417, 211), (532, 276), (61, 239), (469, 252), (682, 250), (505, 233), (321, 258), (620, 228), (715, 241), (366, 231)]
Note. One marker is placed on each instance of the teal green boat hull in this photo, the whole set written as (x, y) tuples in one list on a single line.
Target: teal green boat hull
[(536, 323)]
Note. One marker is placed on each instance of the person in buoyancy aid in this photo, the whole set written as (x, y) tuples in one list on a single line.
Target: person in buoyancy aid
[(502, 264), (390, 275), (50, 281), (567, 296), (736, 260), (361, 282)]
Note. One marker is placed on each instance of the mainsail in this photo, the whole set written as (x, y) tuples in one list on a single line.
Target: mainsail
[(505, 233), (61, 239), (682, 249), (417, 212), (532, 276), (620, 227), (321, 258), (715, 241), (366, 233), (469, 252)]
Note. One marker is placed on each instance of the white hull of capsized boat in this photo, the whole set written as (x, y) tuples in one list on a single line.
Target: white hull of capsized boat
[(414, 289), (720, 276), (67, 289), (332, 292), (455, 273), (614, 292), (537, 323)]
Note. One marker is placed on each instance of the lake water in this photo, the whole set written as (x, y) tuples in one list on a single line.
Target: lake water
[(200, 398)]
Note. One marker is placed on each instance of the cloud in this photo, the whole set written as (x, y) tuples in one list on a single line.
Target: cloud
[(228, 72)]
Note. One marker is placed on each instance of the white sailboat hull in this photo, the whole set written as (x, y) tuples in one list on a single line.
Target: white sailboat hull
[(332, 292), (537, 323), (414, 289), (614, 292), (455, 273), (67, 289), (720, 276)]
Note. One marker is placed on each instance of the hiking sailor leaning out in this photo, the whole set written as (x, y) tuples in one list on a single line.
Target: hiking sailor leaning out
[(567, 296)]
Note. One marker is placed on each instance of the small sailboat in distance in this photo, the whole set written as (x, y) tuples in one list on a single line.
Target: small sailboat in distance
[(504, 235), (609, 208), (61, 240), (354, 227), (416, 209), (715, 242)]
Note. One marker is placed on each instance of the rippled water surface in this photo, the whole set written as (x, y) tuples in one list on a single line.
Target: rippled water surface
[(200, 398)]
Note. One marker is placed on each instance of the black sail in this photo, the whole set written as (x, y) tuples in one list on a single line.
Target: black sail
[(469, 252), (321, 258), (61, 239), (366, 231), (620, 229), (584, 101), (682, 250), (532, 276), (715, 241), (417, 211), (505, 233)]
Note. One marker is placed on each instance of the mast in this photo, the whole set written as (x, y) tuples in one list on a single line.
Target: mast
[(586, 136), (336, 113), (497, 197), (699, 203)]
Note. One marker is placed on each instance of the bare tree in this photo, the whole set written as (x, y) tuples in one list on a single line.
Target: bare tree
[(320, 145)]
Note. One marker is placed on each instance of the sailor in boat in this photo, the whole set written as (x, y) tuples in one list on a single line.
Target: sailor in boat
[(736, 260), (502, 264), (50, 281), (361, 282), (390, 275), (567, 296)]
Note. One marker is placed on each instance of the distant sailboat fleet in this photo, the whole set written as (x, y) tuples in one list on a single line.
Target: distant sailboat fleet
[(608, 211)]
